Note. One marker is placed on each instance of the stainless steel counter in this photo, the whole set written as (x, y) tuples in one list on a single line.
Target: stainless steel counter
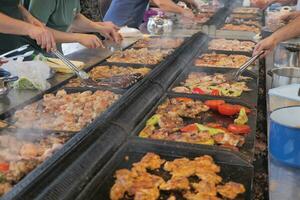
[(89, 56)]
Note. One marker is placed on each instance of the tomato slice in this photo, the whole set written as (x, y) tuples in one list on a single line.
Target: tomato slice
[(215, 92), (184, 99), (198, 91), (4, 167), (239, 129), (189, 128), (239, 107), (227, 109), (214, 104)]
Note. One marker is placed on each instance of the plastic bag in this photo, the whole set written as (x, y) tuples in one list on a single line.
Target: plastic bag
[(32, 74)]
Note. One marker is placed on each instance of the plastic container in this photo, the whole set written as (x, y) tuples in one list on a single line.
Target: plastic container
[(284, 96), (284, 135)]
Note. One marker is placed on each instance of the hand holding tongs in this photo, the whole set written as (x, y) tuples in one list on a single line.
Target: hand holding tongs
[(236, 74), (80, 73)]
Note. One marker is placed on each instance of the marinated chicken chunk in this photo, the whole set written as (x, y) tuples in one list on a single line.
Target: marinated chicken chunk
[(65, 112), (176, 183), (180, 167), (142, 185), (149, 161), (230, 190), (205, 188)]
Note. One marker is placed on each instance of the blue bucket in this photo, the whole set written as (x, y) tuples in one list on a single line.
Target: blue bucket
[(284, 136)]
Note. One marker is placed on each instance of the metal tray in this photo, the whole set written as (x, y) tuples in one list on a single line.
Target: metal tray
[(246, 53), (166, 77), (58, 160), (248, 97), (232, 168), (82, 169), (246, 151), (164, 37)]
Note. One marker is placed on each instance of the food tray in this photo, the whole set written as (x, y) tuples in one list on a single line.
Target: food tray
[(253, 67), (243, 35), (248, 97), (246, 151), (232, 167), (117, 89), (163, 37), (65, 155), (246, 53), (166, 77)]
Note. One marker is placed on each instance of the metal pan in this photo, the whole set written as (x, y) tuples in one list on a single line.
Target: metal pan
[(246, 53), (232, 168), (247, 97), (246, 151), (164, 37), (73, 147)]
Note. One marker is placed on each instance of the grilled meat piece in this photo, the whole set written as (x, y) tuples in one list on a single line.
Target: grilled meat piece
[(176, 183), (205, 188), (18, 169), (229, 139), (5, 187), (230, 190), (149, 161), (181, 167)]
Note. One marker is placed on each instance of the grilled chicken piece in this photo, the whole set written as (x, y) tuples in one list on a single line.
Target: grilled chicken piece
[(181, 89), (206, 163), (231, 190), (172, 198), (176, 183), (17, 169), (205, 188), (149, 161), (4, 188), (209, 177), (181, 167), (124, 180), (170, 121), (229, 139)]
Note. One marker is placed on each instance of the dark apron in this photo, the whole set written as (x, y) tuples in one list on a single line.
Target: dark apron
[(9, 42)]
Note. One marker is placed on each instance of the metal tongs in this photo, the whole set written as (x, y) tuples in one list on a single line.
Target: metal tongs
[(22, 48), (80, 73), (234, 76)]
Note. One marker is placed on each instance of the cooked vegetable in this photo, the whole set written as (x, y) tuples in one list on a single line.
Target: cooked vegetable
[(153, 120), (4, 166), (211, 131), (198, 91), (214, 104), (239, 107), (242, 118), (189, 128), (227, 109), (239, 129), (184, 99), (215, 92)]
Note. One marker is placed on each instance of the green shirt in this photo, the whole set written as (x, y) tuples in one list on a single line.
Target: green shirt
[(56, 14)]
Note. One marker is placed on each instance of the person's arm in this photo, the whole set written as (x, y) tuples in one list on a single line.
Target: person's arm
[(43, 37), (170, 6), (29, 18), (87, 40), (82, 24), (285, 33)]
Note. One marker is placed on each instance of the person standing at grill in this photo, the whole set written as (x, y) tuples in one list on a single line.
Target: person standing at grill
[(19, 27), (68, 25), (131, 12)]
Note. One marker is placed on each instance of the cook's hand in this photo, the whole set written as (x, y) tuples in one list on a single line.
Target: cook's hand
[(111, 34), (110, 25), (266, 45), (89, 41), (43, 37), (290, 16), (188, 14)]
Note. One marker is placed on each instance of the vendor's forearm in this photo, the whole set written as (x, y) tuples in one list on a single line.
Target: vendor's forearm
[(64, 37), (287, 32), (10, 25), (24, 12), (168, 6)]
